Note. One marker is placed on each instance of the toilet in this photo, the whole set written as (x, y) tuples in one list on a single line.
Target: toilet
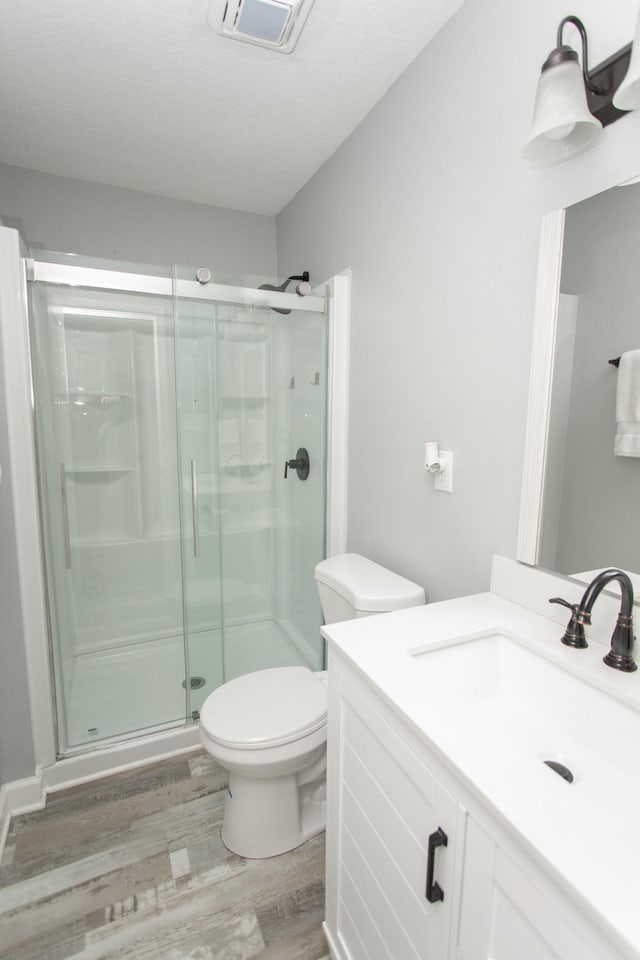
[(269, 728)]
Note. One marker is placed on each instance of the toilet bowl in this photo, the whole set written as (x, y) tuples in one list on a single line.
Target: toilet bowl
[(269, 728)]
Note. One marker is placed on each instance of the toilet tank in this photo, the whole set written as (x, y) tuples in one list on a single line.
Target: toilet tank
[(352, 586)]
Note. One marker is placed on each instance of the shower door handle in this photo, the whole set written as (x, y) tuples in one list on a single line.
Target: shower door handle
[(195, 508), (65, 516)]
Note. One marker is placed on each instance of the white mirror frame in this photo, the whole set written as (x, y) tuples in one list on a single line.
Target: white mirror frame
[(540, 380)]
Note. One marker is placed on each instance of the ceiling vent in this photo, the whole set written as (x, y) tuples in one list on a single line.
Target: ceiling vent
[(276, 24)]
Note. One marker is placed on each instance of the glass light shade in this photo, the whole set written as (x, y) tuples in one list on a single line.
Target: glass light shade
[(627, 96), (562, 123)]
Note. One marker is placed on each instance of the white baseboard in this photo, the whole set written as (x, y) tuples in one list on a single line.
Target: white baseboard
[(333, 950), (19, 796), (22, 796)]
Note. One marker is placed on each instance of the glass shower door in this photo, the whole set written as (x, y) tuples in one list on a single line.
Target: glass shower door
[(262, 377), (195, 358), (177, 555), (106, 434), (299, 385)]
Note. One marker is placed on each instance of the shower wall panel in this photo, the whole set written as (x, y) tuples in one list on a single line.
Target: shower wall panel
[(299, 396), (246, 470)]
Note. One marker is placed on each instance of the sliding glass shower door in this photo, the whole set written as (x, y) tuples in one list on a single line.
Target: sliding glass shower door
[(198, 454), (177, 554), (107, 439), (251, 385)]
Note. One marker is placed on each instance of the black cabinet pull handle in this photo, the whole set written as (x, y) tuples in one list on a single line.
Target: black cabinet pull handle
[(434, 890)]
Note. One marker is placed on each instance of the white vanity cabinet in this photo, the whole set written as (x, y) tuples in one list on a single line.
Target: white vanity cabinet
[(512, 910), (385, 805), (388, 794)]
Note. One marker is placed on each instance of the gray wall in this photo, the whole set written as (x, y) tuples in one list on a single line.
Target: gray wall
[(600, 520), (16, 747), (56, 213), (430, 204)]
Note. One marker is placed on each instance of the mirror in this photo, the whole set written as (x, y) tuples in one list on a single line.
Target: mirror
[(580, 501)]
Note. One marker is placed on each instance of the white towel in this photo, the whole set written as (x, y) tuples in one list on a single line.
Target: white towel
[(627, 442)]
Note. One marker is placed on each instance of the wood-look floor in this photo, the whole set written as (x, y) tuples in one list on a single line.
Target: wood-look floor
[(133, 867)]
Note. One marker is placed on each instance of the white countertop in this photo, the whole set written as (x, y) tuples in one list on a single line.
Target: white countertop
[(587, 835)]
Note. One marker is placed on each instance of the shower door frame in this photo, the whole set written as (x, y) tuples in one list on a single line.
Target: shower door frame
[(15, 269), (173, 291)]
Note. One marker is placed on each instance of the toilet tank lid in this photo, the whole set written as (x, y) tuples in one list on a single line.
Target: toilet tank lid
[(366, 585)]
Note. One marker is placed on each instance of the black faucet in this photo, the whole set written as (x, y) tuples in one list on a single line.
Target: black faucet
[(620, 656)]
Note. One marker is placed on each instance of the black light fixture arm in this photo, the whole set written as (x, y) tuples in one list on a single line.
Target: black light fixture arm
[(563, 52), (562, 126)]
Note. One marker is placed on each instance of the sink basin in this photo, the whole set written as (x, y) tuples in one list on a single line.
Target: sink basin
[(503, 689)]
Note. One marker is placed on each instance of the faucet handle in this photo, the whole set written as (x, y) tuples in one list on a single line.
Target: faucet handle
[(565, 603), (574, 634)]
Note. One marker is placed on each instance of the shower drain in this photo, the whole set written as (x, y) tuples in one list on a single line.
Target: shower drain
[(195, 683)]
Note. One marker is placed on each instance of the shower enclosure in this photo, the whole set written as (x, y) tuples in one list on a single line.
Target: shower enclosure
[(177, 555)]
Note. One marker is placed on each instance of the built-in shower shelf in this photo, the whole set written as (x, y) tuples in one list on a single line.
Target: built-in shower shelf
[(90, 398), (269, 518), (79, 472), (244, 469), (243, 402)]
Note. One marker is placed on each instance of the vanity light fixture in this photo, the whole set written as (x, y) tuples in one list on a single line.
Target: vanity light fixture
[(573, 104), (627, 96)]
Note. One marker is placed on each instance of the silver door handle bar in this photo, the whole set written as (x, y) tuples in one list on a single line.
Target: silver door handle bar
[(65, 516), (195, 507)]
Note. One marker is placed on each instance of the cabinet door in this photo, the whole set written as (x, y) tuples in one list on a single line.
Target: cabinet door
[(510, 909), (390, 805)]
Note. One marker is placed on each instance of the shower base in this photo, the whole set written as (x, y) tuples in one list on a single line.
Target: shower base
[(138, 688)]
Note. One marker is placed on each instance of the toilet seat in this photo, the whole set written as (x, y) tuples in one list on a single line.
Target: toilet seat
[(265, 709)]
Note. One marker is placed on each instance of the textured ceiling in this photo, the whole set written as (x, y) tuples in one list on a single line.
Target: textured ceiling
[(143, 94)]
